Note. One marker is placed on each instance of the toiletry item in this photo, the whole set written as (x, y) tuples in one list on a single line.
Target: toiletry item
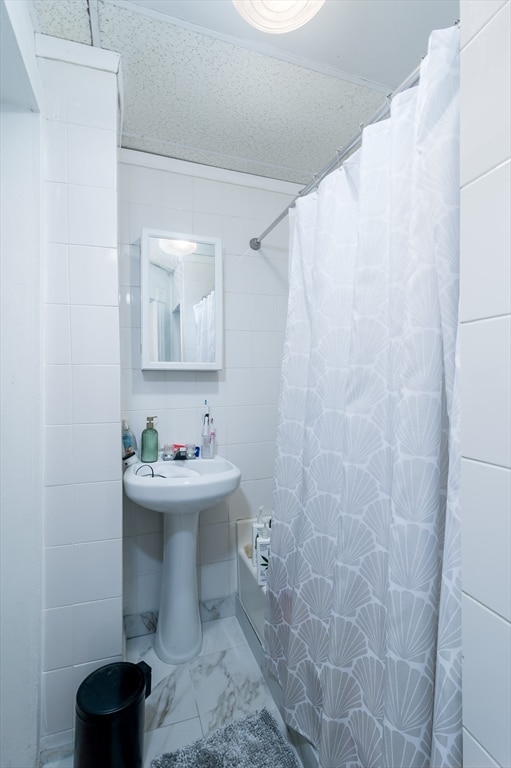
[(167, 453), (263, 554), (212, 439), (257, 527), (129, 441), (149, 441), (190, 451), (130, 458), (207, 449)]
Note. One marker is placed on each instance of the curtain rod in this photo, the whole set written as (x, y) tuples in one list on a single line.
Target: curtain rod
[(341, 155)]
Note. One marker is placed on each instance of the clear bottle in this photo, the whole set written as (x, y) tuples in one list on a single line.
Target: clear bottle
[(212, 440), (149, 441), (129, 441), (205, 451)]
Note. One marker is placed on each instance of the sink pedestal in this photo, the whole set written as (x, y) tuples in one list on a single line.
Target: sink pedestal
[(179, 631), (180, 489)]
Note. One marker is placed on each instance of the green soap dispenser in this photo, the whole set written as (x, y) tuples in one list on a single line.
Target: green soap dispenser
[(149, 442)]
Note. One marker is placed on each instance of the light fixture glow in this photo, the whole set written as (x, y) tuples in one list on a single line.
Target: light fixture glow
[(277, 16), (177, 247)]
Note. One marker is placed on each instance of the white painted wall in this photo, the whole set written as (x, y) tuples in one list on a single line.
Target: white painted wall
[(485, 313), (20, 407), (20, 446), (82, 584), (185, 197)]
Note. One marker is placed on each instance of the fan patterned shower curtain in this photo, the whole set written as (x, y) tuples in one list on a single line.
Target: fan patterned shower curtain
[(363, 608), (205, 324)]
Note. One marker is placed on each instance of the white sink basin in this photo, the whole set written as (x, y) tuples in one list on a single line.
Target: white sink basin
[(180, 489), (181, 486)]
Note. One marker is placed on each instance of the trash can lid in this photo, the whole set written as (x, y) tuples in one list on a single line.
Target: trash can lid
[(110, 689)]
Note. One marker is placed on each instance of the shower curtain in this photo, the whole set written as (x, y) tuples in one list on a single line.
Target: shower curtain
[(205, 324), (157, 314), (363, 603)]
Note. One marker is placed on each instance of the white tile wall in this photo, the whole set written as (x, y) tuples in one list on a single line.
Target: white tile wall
[(95, 454), (57, 334), (487, 535), (97, 630), (487, 668), (58, 515), (58, 455), (58, 394), (485, 308), (96, 511), (95, 334), (57, 709), (474, 756), (92, 216), (175, 196), (485, 229), (485, 402), (56, 208), (486, 97), (58, 640), (476, 14), (96, 393), (101, 144), (56, 278), (92, 97), (82, 617), (93, 275)]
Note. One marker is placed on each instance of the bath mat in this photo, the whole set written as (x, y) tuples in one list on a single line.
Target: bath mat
[(254, 741)]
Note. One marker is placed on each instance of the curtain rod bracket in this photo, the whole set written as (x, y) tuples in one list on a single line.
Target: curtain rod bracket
[(255, 244)]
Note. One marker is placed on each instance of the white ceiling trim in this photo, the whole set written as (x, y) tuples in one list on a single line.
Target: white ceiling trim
[(256, 167), (214, 173), (49, 47), (265, 50)]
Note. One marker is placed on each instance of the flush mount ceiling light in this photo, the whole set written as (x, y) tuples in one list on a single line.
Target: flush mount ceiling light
[(177, 247), (277, 16)]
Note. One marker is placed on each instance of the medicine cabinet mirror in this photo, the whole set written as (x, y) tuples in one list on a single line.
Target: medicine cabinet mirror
[(181, 295)]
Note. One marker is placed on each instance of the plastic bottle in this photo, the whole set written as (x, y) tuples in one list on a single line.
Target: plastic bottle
[(129, 441), (212, 439), (263, 555), (149, 441), (257, 527), (207, 447)]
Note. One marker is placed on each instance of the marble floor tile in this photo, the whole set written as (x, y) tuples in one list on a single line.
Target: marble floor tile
[(227, 685), (171, 700), (170, 738), (137, 647), (221, 634)]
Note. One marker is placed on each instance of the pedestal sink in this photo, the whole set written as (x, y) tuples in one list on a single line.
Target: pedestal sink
[(180, 489)]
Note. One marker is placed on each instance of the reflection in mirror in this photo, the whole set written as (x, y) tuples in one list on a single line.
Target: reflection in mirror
[(181, 294)]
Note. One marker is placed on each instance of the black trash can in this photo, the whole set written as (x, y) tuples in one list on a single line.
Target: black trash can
[(109, 718)]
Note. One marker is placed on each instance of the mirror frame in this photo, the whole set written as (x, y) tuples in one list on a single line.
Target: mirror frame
[(151, 365)]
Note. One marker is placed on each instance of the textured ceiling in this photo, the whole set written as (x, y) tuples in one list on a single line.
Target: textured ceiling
[(256, 103)]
